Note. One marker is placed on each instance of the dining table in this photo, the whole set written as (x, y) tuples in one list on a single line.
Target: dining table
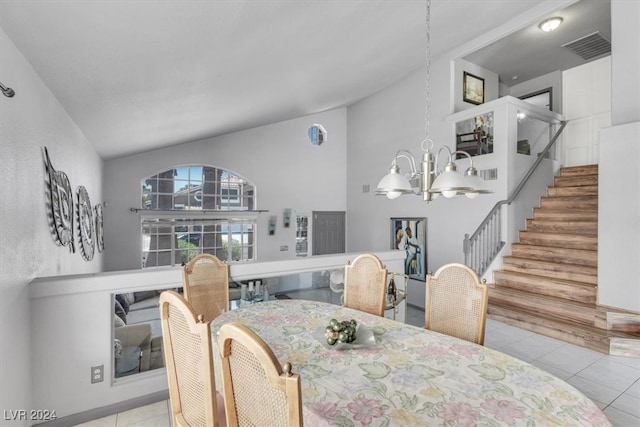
[(403, 375)]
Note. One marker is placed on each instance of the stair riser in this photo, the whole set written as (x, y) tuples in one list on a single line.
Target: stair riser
[(545, 253), (547, 287), (568, 227), (548, 328), (587, 190), (563, 203), (625, 347), (559, 240), (623, 322), (575, 273), (576, 181), (544, 307), (560, 215), (579, 170)]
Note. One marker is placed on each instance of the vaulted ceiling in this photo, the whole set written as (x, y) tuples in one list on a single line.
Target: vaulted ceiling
[(139, 75)]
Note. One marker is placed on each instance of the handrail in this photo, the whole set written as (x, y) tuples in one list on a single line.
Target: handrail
[(508, 201)]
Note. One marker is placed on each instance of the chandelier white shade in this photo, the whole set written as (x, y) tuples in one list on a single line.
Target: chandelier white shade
[(476, 182), (393, 185), (450, 183)]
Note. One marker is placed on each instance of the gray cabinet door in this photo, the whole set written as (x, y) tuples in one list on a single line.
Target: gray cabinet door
[(328, 232)]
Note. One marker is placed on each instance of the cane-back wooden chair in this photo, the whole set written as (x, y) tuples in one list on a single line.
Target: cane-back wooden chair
[(257, 390), (456, 303), (206, 285), (189, 362), (365, 284)]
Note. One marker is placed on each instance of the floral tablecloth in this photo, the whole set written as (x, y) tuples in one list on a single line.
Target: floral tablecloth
[(410, 377)]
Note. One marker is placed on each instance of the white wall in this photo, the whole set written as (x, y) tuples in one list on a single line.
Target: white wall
[(491, 85), (619, 221), (29, 121), (587, 108), (619, 179), (625, 67), (288, 171)]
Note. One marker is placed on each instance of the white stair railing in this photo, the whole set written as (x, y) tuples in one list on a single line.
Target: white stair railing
[(482, 247)]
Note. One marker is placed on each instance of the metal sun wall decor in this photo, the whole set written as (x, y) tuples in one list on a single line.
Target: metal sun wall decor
[(99, 228), (86, 227), (60, 205), (61, 211)]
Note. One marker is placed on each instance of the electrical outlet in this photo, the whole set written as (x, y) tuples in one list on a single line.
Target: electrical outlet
[(97, 374)]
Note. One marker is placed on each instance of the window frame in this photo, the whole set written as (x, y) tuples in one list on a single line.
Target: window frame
[(218, 226)]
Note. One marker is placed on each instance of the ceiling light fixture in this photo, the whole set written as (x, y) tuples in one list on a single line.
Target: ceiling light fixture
[(428, 182), (550, 24)]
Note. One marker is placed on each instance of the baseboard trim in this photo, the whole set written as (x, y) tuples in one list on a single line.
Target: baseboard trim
[(105, 411)]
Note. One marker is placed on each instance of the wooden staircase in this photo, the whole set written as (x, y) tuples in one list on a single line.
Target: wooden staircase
[(549, 282)]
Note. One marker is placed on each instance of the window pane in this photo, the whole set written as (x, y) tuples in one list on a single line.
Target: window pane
[(197, 187), (176, 244)]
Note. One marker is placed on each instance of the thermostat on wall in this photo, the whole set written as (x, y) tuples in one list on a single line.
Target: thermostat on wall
[(317, 134)]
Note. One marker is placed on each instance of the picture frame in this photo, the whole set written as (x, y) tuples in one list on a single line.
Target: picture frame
[(472, 89), (415, 263)]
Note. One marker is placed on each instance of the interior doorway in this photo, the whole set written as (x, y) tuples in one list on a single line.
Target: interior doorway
[(542, 98), (328, 231)]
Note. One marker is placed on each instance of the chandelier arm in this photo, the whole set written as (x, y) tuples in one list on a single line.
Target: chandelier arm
[(402, 153), (444, 147), (466, 154)]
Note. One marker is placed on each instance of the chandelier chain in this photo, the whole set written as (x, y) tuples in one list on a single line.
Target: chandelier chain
[(427, 124)]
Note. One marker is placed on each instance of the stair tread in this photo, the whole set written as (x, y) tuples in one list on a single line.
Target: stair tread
[(564, 222)]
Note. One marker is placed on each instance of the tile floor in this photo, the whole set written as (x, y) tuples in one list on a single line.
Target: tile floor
[(612, 382)]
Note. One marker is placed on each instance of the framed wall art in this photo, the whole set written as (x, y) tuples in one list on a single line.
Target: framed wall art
[(410, 235), (472, 89)]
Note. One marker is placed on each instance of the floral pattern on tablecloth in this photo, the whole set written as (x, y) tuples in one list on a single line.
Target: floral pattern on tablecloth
[(410, 377)]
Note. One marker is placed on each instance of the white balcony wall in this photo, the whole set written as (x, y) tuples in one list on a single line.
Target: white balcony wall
[(74, 318)]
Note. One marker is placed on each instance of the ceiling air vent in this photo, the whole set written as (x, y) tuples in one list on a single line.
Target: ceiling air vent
[(590, 47)]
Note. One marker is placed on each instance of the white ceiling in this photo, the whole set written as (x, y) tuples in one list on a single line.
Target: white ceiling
[(530, 53), (144, 74)]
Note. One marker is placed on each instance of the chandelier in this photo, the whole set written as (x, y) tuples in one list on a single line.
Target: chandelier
[(429, 181)]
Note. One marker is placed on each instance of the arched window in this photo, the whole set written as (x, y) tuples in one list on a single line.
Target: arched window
[(195, 209)]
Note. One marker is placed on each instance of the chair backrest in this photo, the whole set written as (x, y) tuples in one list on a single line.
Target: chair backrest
[(206, 285), (257, 391), (365, 284), (456, 303), (189, 359)]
